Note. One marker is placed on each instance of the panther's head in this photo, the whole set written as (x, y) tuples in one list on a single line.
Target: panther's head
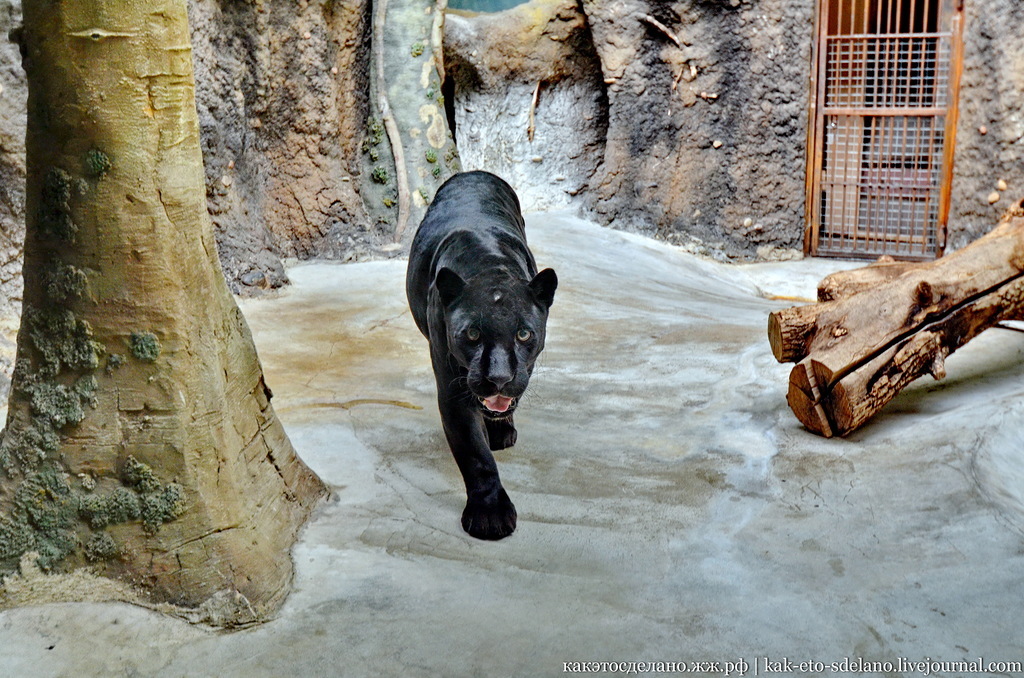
[(496, 326)]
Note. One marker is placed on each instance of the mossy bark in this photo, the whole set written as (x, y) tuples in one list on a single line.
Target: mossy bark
[(409, 150), (140, 436)]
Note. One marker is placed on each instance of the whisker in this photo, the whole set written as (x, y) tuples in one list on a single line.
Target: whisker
[(459, 393), (459, 381), (531, 396)]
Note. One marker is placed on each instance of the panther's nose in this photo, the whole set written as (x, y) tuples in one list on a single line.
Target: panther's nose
[(497, 381), (499, 370)]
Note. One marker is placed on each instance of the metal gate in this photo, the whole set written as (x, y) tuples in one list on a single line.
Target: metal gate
[(883, 122)]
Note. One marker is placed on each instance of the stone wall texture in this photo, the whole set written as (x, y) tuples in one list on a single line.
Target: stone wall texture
[(13, 99), (689, 119), (683, 120), (686, 120), (990, 136)]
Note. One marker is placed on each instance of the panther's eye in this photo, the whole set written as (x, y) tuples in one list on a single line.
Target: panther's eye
[(473, 334), (524, 335)]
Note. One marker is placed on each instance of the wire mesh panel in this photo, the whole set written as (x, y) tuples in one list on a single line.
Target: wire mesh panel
[(887, 71), (880, 185), (887, 85)]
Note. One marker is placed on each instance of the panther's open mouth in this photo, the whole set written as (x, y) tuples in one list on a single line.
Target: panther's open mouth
[(498, 404)]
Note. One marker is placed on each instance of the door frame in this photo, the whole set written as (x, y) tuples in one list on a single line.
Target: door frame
[(951, 14)]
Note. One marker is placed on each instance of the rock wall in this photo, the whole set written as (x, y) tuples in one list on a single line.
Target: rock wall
[(497, 65), (706, 141), (703, 107), (990, 136), (13, 98), (683, 120), (281, 90)]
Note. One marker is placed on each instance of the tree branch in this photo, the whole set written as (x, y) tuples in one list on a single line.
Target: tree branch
[(647, 18), (532, 128)]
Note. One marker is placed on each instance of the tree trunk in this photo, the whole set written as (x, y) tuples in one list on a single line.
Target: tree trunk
[(140, 437), (891, 324), (409, 150)]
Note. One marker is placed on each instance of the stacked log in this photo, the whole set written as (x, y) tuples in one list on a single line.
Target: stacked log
[(878, 328)]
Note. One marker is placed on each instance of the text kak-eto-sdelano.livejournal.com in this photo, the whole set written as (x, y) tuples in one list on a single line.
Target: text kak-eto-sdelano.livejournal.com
[(767, 666)]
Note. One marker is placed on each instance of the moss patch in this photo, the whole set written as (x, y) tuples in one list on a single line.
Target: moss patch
[(62, 341), (120, 505), (101, 547), (54, 217), (144, 346), (161, 507), (97, 163), (43, 515), (114, 361), (53, 406), (58, 404), (61, 344), (138, 475), (451, 158), (42, 519), (375, 133), (63, 282), (51, 517), (28, 447)]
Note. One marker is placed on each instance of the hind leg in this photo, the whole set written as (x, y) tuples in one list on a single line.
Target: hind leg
[(501, 433)]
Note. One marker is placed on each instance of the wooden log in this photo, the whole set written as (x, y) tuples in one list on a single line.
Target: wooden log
[(842, 403), (857, 352), (790, 332), (805, 400), (845, 284), (887, 310)]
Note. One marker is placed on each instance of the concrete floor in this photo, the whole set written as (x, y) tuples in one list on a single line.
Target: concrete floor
[(671, 508)]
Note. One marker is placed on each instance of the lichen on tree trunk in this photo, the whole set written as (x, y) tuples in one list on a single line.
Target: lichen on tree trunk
[(140, 438), (409, 150)]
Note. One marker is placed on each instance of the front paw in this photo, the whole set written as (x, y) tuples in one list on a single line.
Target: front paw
[(492, 517)]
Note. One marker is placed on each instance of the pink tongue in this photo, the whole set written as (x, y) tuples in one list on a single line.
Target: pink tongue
[(497, 403)]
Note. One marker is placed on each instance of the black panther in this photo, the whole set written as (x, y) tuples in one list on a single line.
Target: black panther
[(476, 295)]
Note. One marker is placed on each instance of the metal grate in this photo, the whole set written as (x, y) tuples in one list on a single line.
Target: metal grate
[(880, 185), (887, 71), (886, 83)]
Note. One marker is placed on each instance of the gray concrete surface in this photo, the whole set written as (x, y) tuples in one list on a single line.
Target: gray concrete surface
[(670, 506)]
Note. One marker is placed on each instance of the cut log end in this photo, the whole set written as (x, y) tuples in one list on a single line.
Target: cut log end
[(805, 400), (790, 331), (775, 336)]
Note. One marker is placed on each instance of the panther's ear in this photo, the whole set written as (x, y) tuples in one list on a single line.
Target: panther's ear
[(543, 287), (449, 285)]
